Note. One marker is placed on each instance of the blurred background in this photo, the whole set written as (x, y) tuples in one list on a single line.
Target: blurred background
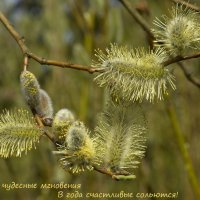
[(71, 30)]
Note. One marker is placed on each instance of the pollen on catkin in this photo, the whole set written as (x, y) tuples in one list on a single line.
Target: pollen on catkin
[(133, 75), (180, 32), (18, 133), (61, 123), (30, 89), (78, 151), (37, 99), (120, 137)]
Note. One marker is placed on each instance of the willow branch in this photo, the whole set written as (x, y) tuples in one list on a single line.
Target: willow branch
[(189, 76), (179, 136), (26, 51), (187, 4), (120, 175), (138, 18), (49, 135), (180, 58)]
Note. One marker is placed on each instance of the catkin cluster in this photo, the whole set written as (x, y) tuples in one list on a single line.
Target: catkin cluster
[(76, 146), (129, 75)]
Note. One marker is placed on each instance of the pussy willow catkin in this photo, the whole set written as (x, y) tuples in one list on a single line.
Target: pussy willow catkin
[(30, 89), (180, 32), (61, 123), (18, 132), (133, 75), (37, 99), (120, 137), (79, 149)]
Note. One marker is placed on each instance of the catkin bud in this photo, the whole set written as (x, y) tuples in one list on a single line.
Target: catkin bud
[(76, 137), (64, 115), (179, 33), (30, 89), (44, 109), (37, 99), (79, 152), (61, 123)]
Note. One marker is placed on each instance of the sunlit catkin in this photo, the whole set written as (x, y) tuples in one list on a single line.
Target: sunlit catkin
[(133, 75), (61, 123), (78, 151), (120, 137), (30, 89), (18, 133), (37, 99), (179, 33)]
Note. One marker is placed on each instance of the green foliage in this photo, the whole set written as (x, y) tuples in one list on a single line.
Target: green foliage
[(120, 137), (179, 33), (134, 75), (18, 133)]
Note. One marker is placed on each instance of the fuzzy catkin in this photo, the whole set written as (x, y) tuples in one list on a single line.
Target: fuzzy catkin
[(37, 99), (18, 133), (76, 136), (133, 75), (61, 123), (44, 108), (79, 148), (180, 32), (120, 137), (64, 114), (30, 89)]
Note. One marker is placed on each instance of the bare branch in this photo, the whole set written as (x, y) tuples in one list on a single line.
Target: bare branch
[(115, 176), (46, 132), (26, 51), (187, 4), (189, 76), (120, 175), (138, 18), (180, 58)]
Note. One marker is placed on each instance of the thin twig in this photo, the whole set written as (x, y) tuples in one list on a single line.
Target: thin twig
[(114, 176), (120, 175), (189, 76), (138, 18), (187, 4), (26, 51), (46, 132), (180, 58)]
